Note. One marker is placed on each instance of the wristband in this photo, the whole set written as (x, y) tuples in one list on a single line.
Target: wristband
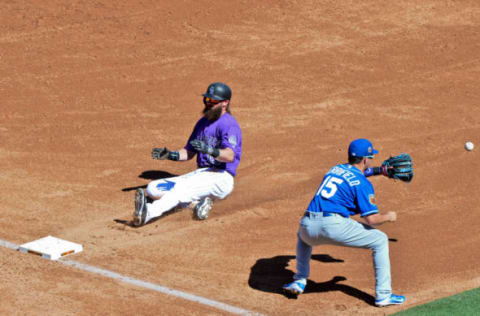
[(173, 155), (368, 172), (375, 171), (215, 152)]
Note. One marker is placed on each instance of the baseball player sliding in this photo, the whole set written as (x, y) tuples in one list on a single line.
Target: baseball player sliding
[(345, 191), (216, 140)]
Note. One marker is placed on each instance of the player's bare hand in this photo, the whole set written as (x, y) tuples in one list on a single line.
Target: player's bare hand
[(392, 216)]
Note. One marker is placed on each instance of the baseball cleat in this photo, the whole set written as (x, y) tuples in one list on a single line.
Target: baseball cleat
[(391, 300), (296, 287), (202, 209), (140, 208)]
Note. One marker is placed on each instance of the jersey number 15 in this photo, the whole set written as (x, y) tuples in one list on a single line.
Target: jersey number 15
[(329, 187)]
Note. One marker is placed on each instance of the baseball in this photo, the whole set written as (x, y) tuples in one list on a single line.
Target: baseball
[(469, 146)]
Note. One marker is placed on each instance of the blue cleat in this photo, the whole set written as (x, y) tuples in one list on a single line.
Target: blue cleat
[(391, 300), (296, 287)]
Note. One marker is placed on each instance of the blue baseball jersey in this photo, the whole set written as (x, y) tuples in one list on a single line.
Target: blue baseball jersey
[(344, 190)]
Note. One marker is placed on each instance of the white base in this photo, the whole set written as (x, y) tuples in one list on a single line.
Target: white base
[(51, 247)]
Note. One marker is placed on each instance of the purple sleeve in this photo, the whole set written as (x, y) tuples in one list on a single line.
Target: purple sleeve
[(231, 138)]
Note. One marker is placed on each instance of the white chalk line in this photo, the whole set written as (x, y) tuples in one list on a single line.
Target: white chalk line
[(147, 285), (7, 244)]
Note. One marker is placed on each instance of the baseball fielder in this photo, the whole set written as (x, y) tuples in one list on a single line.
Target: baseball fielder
[(216, 140), (344, 192)]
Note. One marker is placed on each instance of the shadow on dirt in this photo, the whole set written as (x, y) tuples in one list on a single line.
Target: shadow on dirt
[(153, 220), (270, 274), (150, 175), (156, 174)]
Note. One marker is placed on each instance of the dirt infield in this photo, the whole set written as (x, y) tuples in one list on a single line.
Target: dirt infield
[(87, 88)]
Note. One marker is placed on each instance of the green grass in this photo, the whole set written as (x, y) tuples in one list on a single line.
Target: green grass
[(466, 303)]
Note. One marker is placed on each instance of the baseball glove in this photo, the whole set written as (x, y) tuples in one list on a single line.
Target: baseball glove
[(399, 167)]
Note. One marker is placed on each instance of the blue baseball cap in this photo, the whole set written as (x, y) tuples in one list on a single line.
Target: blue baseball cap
[(361, 148)]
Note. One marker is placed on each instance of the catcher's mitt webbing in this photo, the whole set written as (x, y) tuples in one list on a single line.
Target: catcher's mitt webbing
[(399, 167)]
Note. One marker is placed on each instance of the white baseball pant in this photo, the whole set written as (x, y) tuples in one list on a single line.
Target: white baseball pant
[(191, 187)]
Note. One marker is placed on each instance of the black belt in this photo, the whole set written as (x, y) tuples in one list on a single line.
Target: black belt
[(324, 214)]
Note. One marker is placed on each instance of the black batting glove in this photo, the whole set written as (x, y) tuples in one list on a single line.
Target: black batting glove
[(164, 153), (200, 146)]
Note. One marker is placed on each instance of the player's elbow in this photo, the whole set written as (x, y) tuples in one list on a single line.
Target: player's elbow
[(227, 155), (373, 219), (190, 154), (227, 159)]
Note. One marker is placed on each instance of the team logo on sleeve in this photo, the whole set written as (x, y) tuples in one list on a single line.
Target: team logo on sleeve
[(371, 199), (233, 140)]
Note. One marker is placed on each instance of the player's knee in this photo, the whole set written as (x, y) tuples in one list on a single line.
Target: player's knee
[(149, 190), (154, 192), (381, 239)]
